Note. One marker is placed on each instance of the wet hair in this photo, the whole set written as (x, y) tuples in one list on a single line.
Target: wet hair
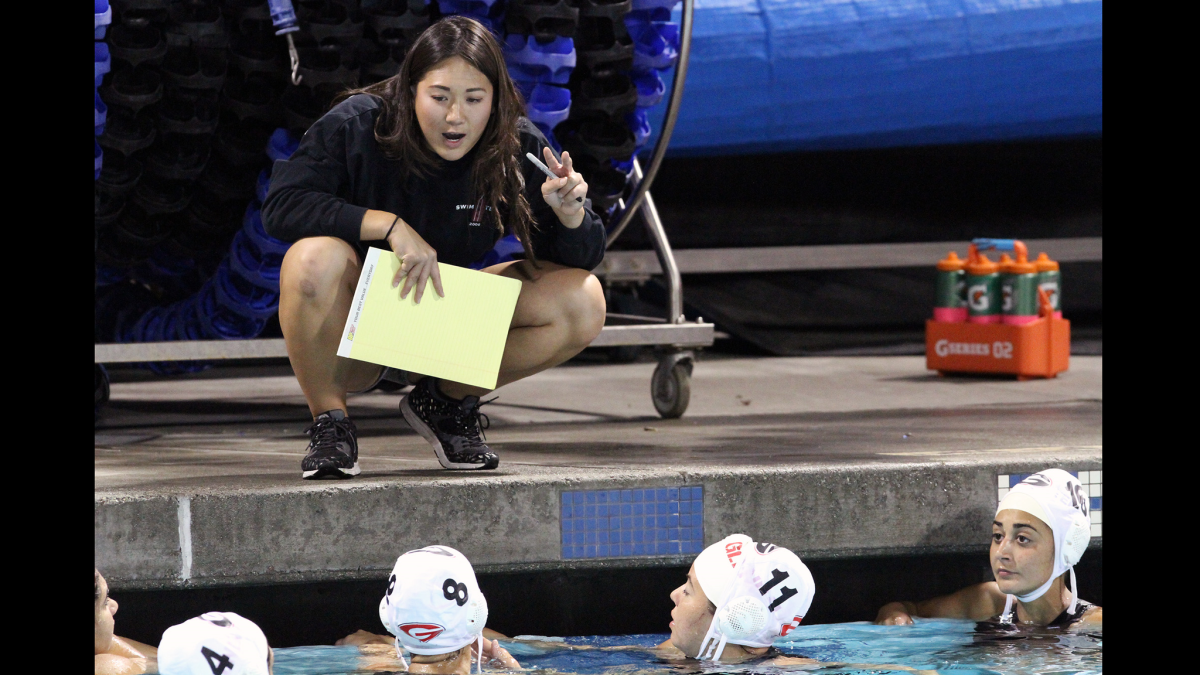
[(495, 170)]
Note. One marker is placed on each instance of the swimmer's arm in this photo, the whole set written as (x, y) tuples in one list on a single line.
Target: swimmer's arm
[(1091, 618), (978, 602), (361, 637), (114, 664), (132, 648)]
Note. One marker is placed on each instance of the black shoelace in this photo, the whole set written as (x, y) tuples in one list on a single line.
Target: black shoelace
[(327, 433), (470, 424)]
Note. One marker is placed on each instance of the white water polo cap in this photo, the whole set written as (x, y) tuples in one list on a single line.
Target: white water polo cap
[(761, 592), (1058, 499), (433, 604), (216, 642)]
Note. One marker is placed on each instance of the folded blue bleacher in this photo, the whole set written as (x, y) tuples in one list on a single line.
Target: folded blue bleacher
[(780, 74)]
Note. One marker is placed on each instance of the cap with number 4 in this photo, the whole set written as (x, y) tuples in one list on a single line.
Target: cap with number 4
[(761, 592), (433, 604), (216, 643)]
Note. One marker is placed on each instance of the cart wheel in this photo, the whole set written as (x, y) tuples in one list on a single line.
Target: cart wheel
[(671, 387), (101, 385)]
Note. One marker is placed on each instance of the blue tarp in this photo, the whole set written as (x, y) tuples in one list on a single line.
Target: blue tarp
[(775, 75)]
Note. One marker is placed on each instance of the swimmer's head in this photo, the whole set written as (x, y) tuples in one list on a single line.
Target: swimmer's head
[(1040, 531), (434, 607), (739, 592), (215, 641), (106, 607)]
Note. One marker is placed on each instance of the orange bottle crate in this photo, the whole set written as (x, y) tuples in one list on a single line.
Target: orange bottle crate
[(1041, 348)]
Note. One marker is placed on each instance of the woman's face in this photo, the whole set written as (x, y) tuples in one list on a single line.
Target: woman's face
[(453, 105), (1022, 551), (691, 617), (106, 607)]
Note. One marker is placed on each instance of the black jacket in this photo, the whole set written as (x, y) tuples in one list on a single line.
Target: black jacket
[(339, 171)]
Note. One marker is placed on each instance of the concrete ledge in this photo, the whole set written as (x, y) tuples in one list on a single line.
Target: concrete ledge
[(512, 523)]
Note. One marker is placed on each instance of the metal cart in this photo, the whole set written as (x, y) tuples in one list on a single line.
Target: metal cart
[(673, 335)]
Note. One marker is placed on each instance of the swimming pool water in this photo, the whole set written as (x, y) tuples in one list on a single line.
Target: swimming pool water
[(945, 646)]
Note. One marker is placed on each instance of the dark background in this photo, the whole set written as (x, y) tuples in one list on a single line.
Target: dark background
[(563, 602), (1030, 189)]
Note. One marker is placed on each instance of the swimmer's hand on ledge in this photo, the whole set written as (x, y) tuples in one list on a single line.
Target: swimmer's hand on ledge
[(497, 656)]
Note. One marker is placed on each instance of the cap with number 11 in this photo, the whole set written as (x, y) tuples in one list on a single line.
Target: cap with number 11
[(433, 604)]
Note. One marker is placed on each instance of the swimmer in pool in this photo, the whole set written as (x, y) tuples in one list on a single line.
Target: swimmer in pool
[(1039, 533), (117, 655), (740, 595), (435, 609), (215, 642)]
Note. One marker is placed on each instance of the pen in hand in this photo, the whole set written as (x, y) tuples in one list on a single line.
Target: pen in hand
[(545, 169)]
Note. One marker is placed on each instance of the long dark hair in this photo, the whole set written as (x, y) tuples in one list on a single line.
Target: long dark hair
[(495, 171)]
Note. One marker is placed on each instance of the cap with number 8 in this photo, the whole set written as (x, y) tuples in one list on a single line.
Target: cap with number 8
[(433, 604), (216, 643)]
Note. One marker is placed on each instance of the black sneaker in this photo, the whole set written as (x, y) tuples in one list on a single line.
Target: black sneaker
[(452, 428), (332, 448)]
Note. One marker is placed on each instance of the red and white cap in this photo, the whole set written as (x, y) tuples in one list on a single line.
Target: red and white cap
[(433, 604), (214, 642), (761, 592)]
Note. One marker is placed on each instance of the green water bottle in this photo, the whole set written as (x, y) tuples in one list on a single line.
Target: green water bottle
[(983, 290), (950, 305), (1018, 290), (1049, 280)]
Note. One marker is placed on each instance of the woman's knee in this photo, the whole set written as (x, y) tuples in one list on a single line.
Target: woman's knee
[(587, 308), (315, 265)]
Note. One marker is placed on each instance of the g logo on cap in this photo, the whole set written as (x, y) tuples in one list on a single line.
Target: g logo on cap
[(421, 631)]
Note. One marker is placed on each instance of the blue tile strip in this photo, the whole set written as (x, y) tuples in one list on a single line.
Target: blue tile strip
[(627, 523)]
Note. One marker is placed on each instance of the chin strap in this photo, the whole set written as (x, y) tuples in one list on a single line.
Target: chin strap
[(713, 645), (1007, 616), (1038, 592), (714, 642), (1074, 592), (400, 654), (479, 641)]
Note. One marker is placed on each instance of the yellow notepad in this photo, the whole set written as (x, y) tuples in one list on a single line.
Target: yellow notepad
[(459, 337)]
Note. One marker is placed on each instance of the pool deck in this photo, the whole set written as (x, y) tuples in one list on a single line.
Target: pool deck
[(197, 479)]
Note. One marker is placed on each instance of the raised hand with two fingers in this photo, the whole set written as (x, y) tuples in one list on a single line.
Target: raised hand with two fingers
[(565, 193)]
